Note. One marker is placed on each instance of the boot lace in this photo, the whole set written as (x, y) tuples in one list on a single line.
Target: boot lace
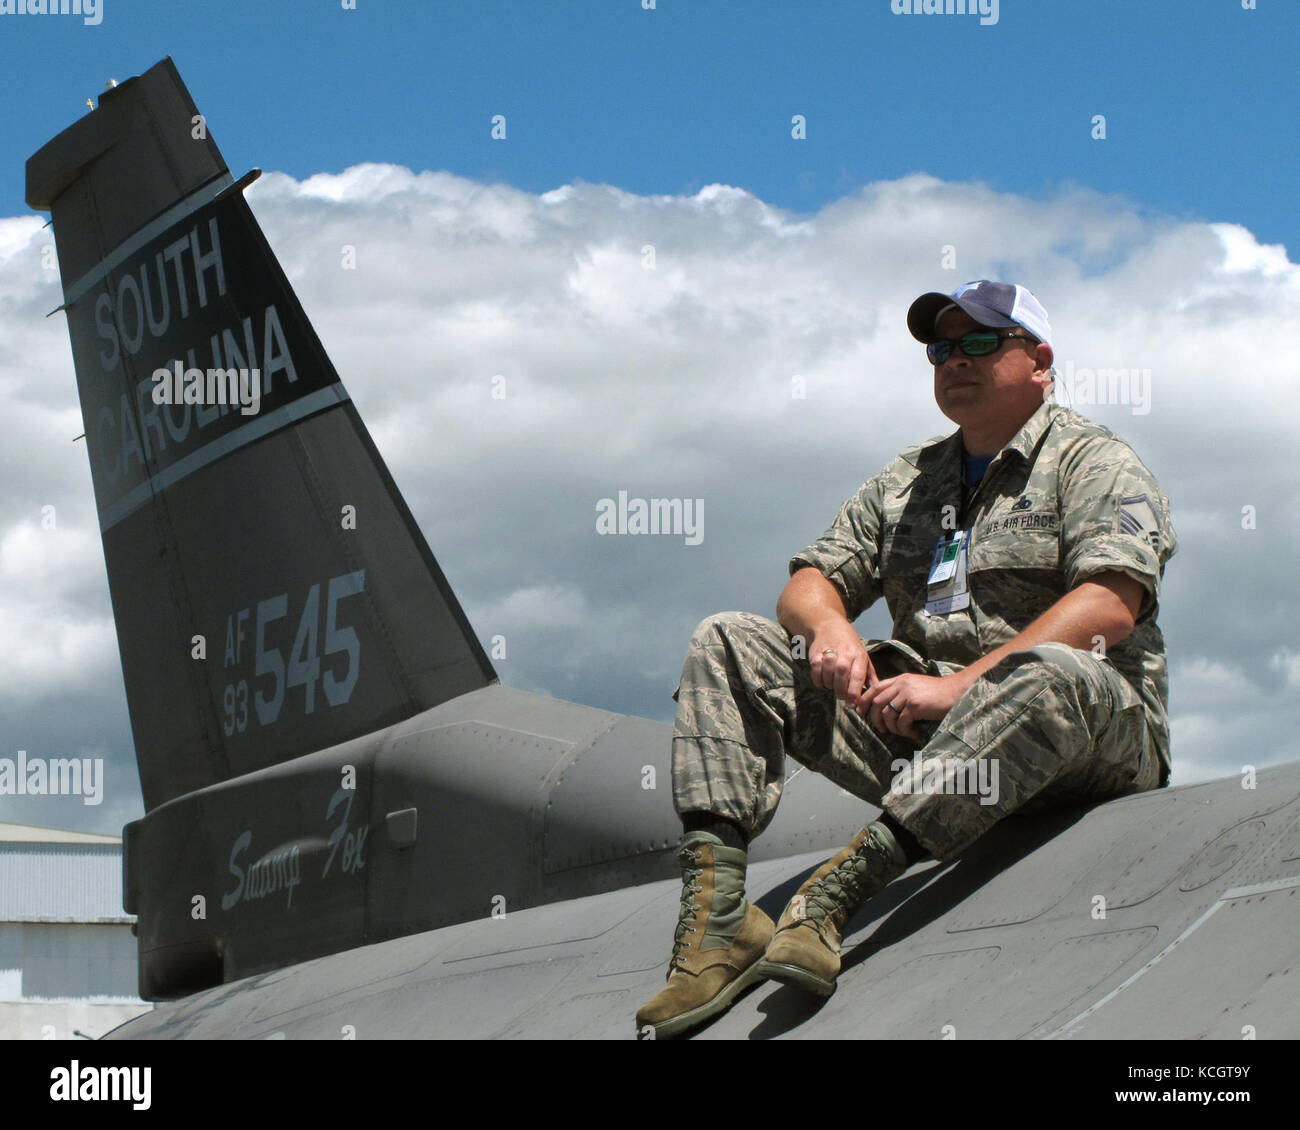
[(688, 907), (838, 892)]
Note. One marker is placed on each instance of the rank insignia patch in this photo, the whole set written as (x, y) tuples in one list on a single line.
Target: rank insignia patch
[(1138, 517)]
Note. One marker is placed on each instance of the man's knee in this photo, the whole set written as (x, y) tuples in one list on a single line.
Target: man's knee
[(1054, 664), (742, 640), (722, 625), (1058, 655), (732, 626), (729, 644)]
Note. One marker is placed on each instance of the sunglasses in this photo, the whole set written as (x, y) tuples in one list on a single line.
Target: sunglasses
[(977, 343)]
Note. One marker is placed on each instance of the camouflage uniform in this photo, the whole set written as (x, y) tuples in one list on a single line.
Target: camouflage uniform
[(1065, 499)]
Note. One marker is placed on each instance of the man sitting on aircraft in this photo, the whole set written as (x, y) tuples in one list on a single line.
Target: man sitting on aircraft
[(1021, 559)]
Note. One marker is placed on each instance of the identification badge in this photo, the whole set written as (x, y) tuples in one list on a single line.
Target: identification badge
[(945, 589)]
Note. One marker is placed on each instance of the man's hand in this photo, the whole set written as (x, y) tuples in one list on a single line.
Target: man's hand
[(839, 662), (896, 704), (811, 607)]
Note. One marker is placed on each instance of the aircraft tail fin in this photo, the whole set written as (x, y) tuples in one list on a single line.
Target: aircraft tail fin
[(273, 594)]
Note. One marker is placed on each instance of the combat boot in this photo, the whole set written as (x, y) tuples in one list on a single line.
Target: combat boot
[(805, 951), (717, 944)]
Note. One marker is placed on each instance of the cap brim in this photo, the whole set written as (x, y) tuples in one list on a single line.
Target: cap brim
[(922, 313)]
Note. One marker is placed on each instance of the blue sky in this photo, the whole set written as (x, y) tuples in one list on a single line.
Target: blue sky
[(1200, 97)]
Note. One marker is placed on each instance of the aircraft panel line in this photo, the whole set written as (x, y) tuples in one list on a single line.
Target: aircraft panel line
[(129, 246), (242, 436), (1226, 897)]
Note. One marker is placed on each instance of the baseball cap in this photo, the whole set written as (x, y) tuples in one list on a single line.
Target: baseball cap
[(994, 304)]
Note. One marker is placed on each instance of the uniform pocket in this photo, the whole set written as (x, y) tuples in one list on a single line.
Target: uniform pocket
[(1016, 548)]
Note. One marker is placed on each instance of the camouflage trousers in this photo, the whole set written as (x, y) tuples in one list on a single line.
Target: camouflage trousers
[(1051, 725)]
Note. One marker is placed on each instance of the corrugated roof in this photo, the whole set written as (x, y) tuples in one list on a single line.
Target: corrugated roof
[(61, 882)]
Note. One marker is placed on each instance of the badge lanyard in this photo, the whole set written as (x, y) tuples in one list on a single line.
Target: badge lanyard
[(945, 588)]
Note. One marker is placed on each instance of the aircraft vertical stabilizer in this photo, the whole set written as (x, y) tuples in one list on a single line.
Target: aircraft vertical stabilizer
[(250, 509)]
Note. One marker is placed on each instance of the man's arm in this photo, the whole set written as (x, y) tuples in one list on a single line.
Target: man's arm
[(1105, 605)]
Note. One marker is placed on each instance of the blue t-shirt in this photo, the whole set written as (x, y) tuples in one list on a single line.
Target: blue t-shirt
[(976, 465)]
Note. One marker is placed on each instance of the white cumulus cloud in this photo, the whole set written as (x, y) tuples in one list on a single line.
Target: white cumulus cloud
[(655, 344)]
